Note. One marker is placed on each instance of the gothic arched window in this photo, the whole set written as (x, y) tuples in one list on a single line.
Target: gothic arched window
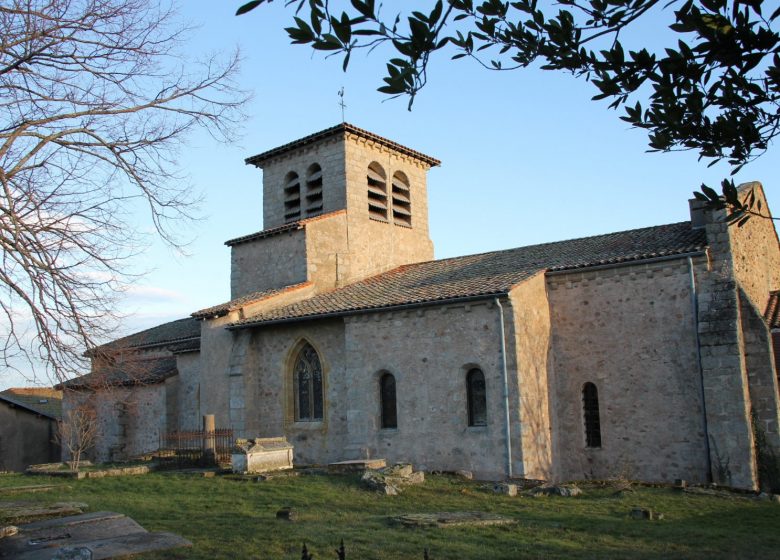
[(477, 398), (387, 399), (307, 378), (590, 405)]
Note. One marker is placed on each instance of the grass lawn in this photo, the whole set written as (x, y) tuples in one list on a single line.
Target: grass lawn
[(227, 518)]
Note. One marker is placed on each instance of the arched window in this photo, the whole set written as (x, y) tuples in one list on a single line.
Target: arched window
[(314, 190), (590, 405), (477, 398), (387, 400), (292, 197), (307, 379), (377, 192), (402, 200)]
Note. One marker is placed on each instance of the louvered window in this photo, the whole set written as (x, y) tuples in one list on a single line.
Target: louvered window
[(477, 397), (307, 379), (314, 190), (590, 405), (292, 197), (402, 200), (387, 398), (377, 192)]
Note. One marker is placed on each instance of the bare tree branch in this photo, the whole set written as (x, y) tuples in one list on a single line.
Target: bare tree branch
[(95, 99)]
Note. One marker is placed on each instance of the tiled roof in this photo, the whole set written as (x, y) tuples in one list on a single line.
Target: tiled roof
[(339, 129), (132, 372), (176, 331), (487, 273), (44, 401), (292, 226), (772, 313), (225, 308)]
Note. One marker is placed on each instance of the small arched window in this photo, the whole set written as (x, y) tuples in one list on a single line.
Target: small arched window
[(307, 380), (590, 405), (477, 397), (387, 400), (292, 197), (377, 192), (402, 200), (314, 190)]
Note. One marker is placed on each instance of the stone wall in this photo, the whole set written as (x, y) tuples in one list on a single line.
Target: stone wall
[(532, 335), (328, 154), (429, 351), (256, 265), (755, 252), (377, 246), (183, 394), (26, 438), (761, 373), (265, 373), (216, 347), (630, 331), (130, 420)]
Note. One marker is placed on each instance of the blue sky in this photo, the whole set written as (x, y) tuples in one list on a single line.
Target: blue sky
[(526, 156)]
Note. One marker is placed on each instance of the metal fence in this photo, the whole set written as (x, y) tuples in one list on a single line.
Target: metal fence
[(195, 448)]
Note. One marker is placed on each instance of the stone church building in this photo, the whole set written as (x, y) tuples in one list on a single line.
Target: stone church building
[(643, 353)]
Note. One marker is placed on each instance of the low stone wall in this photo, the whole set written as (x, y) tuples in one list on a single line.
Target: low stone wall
[(53, 469)]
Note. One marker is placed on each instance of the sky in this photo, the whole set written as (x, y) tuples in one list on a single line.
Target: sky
[(526, 156)]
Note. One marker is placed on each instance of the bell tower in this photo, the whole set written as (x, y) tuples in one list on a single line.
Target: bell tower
[(356, 203)]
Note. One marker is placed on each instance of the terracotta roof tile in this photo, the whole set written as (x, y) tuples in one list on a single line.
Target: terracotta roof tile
[(167, 333), (224, 308), (487, 273), (292, 226), (132, 372), (342, 128), (44, 401)]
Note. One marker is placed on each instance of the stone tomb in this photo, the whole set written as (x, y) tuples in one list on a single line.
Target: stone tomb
[(261, 455)]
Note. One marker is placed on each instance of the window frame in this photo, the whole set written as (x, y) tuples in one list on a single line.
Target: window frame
[(473, 375), (591, 415), (307, 360), (388, 421)]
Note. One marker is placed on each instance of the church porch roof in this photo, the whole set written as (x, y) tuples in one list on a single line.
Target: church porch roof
[(147, 371), (173, 333), (486, 274)]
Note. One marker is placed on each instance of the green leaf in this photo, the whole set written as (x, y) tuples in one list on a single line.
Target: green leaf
[(248, 7)]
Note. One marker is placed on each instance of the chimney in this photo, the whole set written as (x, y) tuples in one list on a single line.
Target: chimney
[(698, 213)]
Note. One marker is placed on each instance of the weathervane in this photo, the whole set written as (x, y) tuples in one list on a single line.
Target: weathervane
[(341, 104)]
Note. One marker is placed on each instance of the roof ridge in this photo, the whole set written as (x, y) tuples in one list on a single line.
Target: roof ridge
[(330, 131), (547, 244)]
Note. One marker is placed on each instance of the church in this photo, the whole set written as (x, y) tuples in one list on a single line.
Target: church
[(645, 353)]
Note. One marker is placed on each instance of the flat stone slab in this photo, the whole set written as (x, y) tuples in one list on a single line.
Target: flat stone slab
[(94, 535), (356, 465), (452, 519), (33, 488), (12, 512)]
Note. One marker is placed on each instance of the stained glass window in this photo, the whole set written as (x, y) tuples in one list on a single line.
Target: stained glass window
[(308, 384)]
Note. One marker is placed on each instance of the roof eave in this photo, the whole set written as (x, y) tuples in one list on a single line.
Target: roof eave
[(363, 311), (27, 408)]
